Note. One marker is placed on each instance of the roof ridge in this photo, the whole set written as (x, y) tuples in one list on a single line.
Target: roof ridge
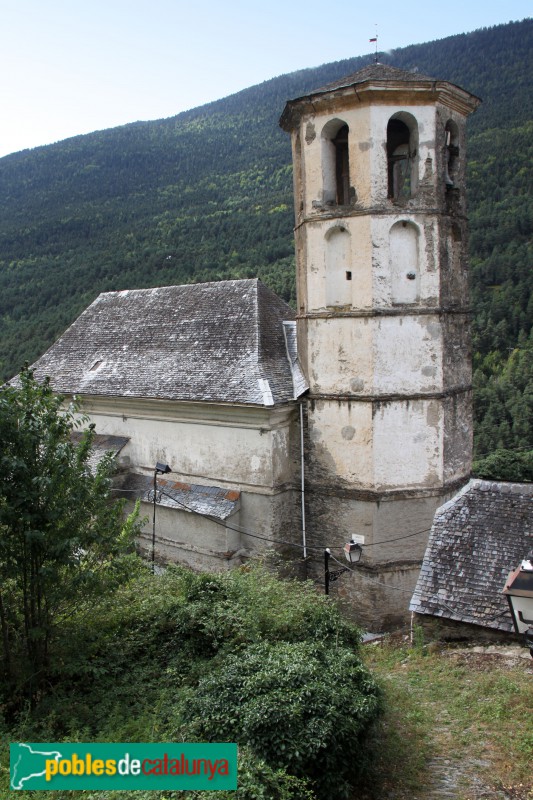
[(180, 286)]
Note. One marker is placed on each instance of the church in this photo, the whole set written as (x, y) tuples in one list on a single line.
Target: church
[(346, 420)]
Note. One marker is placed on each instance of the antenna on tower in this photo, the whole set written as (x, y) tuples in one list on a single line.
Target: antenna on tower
[(375, 39)]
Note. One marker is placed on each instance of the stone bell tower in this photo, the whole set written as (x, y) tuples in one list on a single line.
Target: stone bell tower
[(383, 327)]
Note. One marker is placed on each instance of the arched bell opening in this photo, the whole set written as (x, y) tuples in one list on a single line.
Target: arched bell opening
[(402, 156), (335, 163), (451, 137)]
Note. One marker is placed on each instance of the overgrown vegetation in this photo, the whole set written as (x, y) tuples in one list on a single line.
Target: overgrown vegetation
[(186, 656), (207, 657), (96, 648), (207, 195), (505, 465)]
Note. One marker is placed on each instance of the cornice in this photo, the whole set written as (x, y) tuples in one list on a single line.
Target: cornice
[(203, 413), (379, 92), (383, 494), (392, 210), (400, 311), (396, 397)]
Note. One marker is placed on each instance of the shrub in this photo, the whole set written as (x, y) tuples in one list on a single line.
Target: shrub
[(505, 465), (303, 707)]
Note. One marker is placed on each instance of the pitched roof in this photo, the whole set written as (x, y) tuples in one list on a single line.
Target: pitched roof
[(381, 76), (477, 538), (210, 501), (214, 342), (102, 445), (373, 72)]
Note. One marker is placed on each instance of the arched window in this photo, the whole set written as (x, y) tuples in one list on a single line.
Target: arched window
[(404, 262), (335, 163), (451, 134), (338, 267), (402, 156)]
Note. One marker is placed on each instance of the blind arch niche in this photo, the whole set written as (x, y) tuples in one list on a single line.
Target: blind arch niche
[(404, 262), (338, 257)]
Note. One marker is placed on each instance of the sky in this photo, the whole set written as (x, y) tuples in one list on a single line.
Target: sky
[(75, 66)]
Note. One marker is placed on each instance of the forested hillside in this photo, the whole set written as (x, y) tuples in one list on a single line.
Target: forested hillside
[(207, 195)]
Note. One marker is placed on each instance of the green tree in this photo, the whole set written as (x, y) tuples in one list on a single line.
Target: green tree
[(505, 465), (61, 538)]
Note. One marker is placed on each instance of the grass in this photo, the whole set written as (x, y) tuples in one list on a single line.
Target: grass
[(452, 715), (453, 718)]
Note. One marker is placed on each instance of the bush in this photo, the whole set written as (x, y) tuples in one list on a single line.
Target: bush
[(303, 707), (505, 465), (238, 656)]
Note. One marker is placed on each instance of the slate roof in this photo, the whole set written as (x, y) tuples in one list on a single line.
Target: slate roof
[(477, 538), (214, 342), (102, 445), (211, 501), (373, 73)]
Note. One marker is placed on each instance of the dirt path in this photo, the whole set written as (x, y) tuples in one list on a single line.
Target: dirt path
[(461, 780)]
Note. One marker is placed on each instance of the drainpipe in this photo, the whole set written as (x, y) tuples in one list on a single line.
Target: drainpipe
[(302, 472)]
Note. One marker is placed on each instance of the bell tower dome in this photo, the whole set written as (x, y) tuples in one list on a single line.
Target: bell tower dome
[(383, 317)]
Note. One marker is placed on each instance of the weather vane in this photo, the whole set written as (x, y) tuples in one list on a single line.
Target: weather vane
[(375, 39)]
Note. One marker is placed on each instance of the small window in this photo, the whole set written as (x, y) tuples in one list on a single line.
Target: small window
[(348, 275)]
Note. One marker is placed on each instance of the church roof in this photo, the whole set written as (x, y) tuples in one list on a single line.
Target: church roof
[(477, 538), (373, 72), (213, 342), (378, 76)]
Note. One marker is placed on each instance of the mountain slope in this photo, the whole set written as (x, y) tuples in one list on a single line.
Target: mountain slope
[(208, 195)]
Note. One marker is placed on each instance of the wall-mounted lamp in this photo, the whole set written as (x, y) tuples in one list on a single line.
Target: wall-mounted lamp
[(519, 592), (162, 469), (353, 552), (159, 469)]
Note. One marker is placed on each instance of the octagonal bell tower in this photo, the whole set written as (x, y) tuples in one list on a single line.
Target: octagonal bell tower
[(383, 318)]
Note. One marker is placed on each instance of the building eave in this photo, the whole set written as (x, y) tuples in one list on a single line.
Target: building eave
[(201, 412), (386, 92)]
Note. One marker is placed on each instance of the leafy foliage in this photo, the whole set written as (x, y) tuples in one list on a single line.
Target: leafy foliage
[(505, 465), (61, 540), (289, 702), (161, 660), (503, 385)]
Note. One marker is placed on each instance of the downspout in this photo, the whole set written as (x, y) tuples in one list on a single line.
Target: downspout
[(302, 474)]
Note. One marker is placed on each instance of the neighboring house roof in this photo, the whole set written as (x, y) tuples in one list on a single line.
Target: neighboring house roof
[(211, 501), (477, 538), (102, 444), (214, 342)]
